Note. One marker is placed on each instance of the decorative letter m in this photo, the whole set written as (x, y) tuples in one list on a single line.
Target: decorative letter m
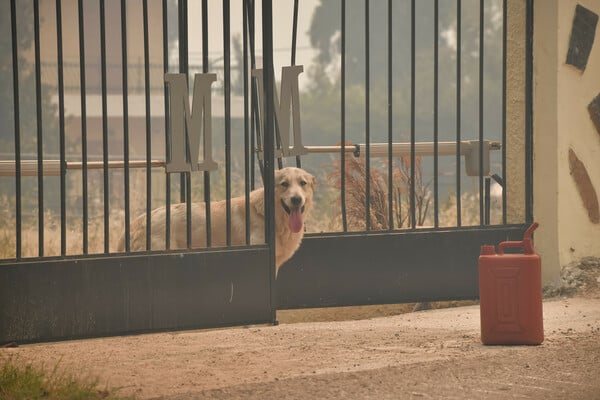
[(187, 127)]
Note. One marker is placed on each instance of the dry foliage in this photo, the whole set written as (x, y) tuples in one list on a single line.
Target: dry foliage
[(355, 174)]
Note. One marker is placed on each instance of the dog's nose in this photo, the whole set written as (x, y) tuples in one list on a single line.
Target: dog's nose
[(296, 200)]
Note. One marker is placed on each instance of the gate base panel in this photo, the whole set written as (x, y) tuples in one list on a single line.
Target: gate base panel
[(397, 267), (92, 297)]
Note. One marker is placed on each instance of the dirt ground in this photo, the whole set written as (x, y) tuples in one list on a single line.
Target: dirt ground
[(373, 355)]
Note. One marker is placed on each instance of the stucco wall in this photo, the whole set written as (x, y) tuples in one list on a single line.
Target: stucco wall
[(562, 122), (515, 112), (578, 236)]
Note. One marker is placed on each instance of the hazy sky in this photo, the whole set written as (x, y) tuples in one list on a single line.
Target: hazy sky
[(282, 29)]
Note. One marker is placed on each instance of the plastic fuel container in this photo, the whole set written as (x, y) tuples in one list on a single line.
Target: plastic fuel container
[(510, 293)]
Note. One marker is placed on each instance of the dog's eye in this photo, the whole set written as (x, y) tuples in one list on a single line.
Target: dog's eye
[(303, 183), (285, 184)]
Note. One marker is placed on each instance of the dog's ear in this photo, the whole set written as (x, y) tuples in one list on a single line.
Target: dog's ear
[(313, 181)]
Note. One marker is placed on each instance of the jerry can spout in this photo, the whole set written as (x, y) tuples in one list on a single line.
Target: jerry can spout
[(529, 231), (527, 245)]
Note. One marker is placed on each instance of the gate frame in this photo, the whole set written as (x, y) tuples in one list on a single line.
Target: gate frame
[(103, 295)]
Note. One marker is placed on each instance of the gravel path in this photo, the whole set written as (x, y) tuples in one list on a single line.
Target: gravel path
[(428, 354)]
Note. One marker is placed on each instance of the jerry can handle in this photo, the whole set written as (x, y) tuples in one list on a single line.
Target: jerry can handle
[(525, 243)]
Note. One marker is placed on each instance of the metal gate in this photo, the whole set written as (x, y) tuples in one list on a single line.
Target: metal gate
[(412, 172)]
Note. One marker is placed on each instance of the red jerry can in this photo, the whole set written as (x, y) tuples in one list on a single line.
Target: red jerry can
[(510, 293)]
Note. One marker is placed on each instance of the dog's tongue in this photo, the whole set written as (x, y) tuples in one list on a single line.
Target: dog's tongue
[(296, 220)]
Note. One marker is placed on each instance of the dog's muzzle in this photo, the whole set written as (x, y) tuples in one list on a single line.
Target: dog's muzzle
[(289, 210), (295, 214)]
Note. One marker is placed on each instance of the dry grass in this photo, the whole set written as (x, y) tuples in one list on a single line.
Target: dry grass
[(20, 381), (380, 218)]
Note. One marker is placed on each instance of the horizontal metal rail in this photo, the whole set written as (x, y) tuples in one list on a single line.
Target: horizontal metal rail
[(349, 148), (52, 167), (468, 148), (401, 149)]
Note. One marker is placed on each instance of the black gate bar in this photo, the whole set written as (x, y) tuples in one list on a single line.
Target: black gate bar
[(390, 193), (503, 132), (247, 144), (413, 138), (227, 107), (61, 128), (205, 65), (481, 82), (165, 49), (15, 68), (436, 208), (367, 121), (343, 118), (40, 143), (458, 108), (269, 141), (184, 67), (148, 123), (125, 122), (104, 127), (84, 170), (529, 112)]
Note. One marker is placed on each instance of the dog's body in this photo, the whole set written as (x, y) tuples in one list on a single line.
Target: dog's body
[(293, 199)]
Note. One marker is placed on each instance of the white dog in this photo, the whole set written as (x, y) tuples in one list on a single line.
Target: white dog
[(294, 189)]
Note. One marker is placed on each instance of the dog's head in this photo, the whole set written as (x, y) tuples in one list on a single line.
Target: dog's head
[(294, 189)]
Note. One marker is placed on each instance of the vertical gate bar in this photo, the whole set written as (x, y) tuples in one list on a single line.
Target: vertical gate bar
[(390, 111), (125, 121), (84, 169), (278, 145), (294, 32), (413, 222), (436, 220), (165, 45), (294, 37), (148, 126), (481, 116), (529, 113), (504, 22), (40, 143), (255, 114), (278, 135), (253, 135), (247, 148), (227, 99), (458, 107), (253, 105), (17, 125), (188, 208), (104, 126), (486, 220), (268, 179), (61, 128), (343, 118), (181, 46), (253, 144), (184, 177), (367, 123), (205, 65)]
